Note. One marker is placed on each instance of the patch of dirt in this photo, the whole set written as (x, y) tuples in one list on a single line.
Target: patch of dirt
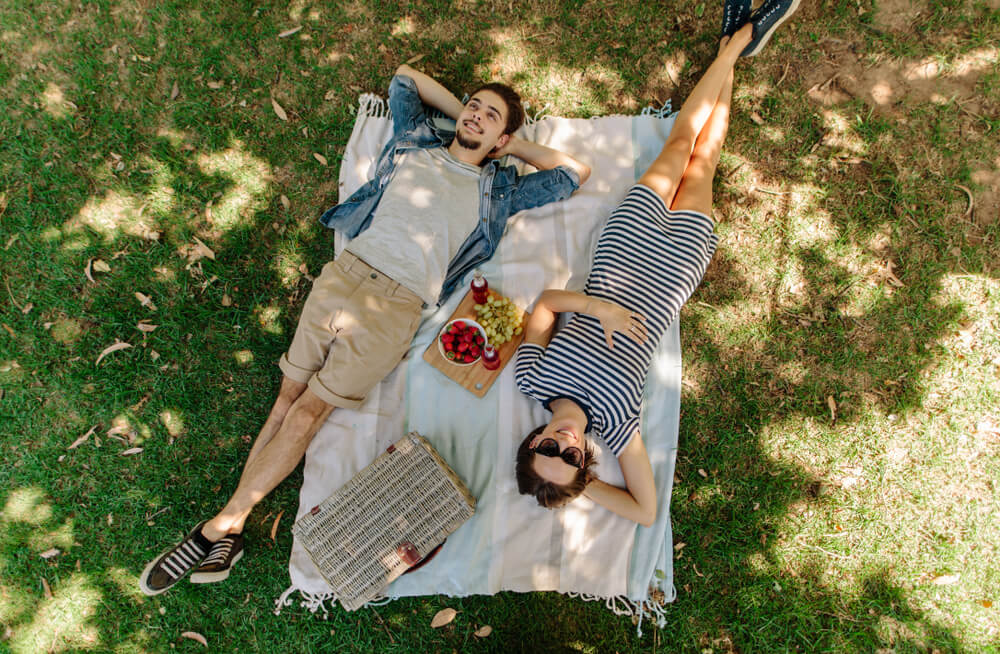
[(987, 196), (887, 83), (897, 15)]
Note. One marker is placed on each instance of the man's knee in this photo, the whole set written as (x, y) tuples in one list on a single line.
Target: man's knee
[(309, 405)]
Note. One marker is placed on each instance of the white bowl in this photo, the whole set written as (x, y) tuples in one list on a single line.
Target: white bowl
[(467, 321)]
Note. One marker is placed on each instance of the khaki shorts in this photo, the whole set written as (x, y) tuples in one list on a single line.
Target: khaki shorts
[(355, 327)]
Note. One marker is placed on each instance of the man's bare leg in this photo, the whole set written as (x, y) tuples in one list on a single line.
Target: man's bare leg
[(664, 175), (269, 465), (289, 391)]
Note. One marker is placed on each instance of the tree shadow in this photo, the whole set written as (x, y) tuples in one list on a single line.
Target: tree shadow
[(118, 63)]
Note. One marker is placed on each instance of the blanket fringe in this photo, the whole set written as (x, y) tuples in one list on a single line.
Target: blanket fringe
[(372, 106), (617, 604)]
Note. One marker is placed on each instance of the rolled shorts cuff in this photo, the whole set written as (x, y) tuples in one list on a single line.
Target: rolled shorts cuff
[(331, 398), (294, 372)]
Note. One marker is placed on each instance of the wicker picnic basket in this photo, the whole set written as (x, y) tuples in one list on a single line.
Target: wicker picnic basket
[(384, 520)]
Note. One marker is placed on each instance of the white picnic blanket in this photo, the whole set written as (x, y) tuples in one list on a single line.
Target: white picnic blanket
[(512, 543)]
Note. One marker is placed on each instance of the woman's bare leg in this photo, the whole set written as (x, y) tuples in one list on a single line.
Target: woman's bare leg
[(694, 192), (664, 175)]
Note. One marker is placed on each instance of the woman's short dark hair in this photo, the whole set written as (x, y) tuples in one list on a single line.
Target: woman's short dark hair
[(510, 97), (549, 494)]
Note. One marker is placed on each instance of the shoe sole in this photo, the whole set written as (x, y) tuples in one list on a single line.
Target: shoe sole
[(774, 28), (212, 577), (146, 590)]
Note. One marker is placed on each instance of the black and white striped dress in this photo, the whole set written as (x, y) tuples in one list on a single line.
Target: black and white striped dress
[(649, 260)]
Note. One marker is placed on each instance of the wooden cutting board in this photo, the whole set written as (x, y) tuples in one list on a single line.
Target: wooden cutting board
[(474, 378)]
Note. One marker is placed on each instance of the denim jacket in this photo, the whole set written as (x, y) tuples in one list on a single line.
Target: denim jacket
[(502, 191)]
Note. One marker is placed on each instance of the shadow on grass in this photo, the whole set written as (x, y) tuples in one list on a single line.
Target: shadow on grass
[(195, 404)]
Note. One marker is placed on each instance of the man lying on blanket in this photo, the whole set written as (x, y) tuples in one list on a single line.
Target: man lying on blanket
[(650, 257), (436, 208)]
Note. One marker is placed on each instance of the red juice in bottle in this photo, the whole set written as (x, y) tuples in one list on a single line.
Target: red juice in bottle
[(480, 288), (491, 358)]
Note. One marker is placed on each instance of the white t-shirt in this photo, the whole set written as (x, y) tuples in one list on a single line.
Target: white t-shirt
[(427, 210)]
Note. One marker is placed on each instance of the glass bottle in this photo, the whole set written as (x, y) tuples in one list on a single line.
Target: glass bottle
[(491, 358), (480, 288)]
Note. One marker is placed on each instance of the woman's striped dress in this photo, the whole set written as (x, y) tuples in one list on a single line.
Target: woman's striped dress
[(649, 260)]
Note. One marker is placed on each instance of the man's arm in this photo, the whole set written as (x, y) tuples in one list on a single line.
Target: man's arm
[(432, 93), (542, 157)]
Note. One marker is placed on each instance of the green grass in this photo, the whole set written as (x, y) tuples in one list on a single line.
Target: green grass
[(873, 530)]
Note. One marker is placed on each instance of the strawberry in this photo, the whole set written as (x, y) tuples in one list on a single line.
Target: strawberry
[(469, 358), (462, 347), (458, 324), (450, 355)]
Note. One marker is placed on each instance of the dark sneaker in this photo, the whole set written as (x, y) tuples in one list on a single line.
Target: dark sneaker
[(735, 14), (167, 569), (221, 558), (766, 20)]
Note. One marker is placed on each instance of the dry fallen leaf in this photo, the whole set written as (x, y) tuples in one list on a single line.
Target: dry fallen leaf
[(304, 269), (101, 266), (945, 580), (483, 631), (320, 158), (86, 270), (194, 635), (154, 355), (48, 554), (414, 59), (112, 348), (175, 91), (986, 604), (330, 95), (145, 301), (83, 439), (832, 403), (26, 309), (214, 85), (443, 617), (679, 546), (756, 118), (130, 451), (279, 110), (287, 33), (274, 527), (145, 327), (701, 471), (45, 589), (285, 202), (226, 300)]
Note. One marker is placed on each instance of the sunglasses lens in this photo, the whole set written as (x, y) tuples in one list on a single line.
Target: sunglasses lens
[(548, 447), (573, 456)]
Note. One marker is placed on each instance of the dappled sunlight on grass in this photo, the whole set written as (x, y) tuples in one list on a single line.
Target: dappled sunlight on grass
[(63, 622), (28, 505), (53, 101), (250, 177), (61, 537), (172, 421), (269, 319), (113, 215)]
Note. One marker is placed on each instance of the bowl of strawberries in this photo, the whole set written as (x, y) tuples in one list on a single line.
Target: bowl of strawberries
[(461, 341)]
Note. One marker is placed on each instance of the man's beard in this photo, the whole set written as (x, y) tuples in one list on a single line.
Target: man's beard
[(466, 142)]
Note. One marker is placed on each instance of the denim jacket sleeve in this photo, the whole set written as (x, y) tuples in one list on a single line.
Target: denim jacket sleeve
[(408, 112), (542, 187)]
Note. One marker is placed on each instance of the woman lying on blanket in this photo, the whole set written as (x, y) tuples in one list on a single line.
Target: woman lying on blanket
[(650, 257)]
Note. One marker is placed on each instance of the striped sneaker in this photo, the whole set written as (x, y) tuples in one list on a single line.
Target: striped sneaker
[(167, 569), (221, 558)]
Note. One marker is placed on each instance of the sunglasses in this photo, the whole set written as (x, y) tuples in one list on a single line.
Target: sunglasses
[(571, 455)]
